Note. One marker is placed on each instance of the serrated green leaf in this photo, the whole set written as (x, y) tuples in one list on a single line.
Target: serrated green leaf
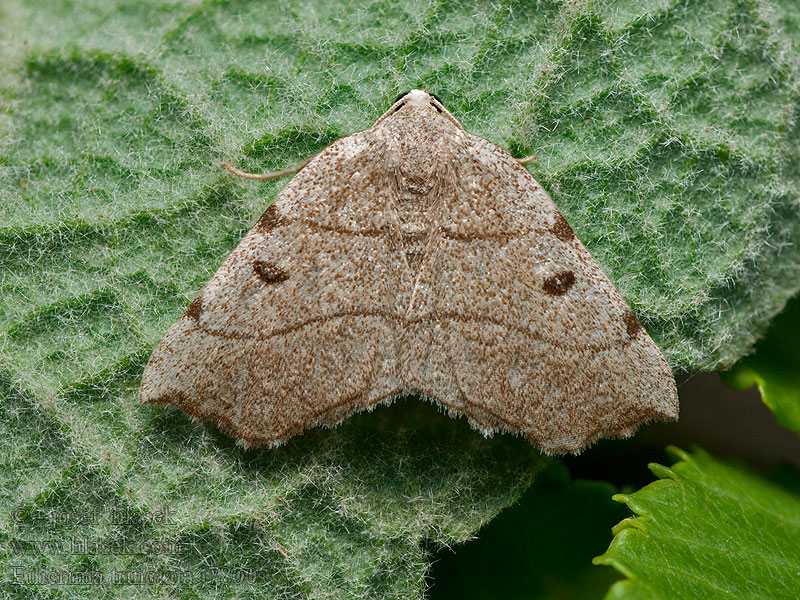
[(774, 367), (666, 131), (708, 529)]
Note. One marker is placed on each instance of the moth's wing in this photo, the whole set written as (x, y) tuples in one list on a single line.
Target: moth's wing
[(292, 330), (538, 340)]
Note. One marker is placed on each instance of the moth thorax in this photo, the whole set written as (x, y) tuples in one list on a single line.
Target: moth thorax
[(420, 141)]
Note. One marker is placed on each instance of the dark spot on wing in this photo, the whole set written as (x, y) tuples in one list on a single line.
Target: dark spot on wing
[(194, 310), (632, 325), (562, 230), (270, 220), (559, 284), (269, 272)]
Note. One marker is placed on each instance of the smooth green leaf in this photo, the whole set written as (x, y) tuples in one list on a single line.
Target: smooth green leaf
[(666, 131), (774, 367), (708, 529)]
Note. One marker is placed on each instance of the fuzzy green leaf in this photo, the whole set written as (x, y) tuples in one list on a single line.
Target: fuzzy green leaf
[(666, 131), (708, 529), (774, 367), (344, 513)]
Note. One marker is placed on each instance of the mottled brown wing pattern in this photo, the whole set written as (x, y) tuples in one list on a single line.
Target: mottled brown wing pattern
[(295, 329), (413, 257), (536, 337)]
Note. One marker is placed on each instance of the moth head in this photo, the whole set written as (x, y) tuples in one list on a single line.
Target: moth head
[(419, 99)]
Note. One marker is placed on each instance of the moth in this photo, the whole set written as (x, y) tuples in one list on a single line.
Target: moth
[(413, 257)]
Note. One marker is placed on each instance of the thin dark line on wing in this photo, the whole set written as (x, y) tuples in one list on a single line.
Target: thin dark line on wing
[(299, 325), (385, 231), (405, 321)]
